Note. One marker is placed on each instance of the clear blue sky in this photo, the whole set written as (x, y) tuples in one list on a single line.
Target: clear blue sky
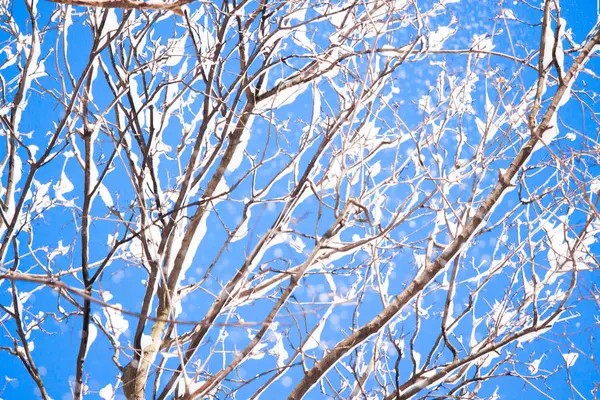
[(55, 354)]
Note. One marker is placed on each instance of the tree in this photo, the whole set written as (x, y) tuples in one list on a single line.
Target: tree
[(353, 199)]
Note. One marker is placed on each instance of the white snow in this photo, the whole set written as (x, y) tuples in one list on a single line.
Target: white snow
[(175, 52), (437, 38), (242, 230), (548, 46), (482, 43), (278, 350), (115, 322), (107, 392), (92, 334), (238, 155), (314, 340), (570, 358), (534, 366), (283, 97)]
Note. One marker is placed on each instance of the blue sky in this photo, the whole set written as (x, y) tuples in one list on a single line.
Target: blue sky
[(56, 353)]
